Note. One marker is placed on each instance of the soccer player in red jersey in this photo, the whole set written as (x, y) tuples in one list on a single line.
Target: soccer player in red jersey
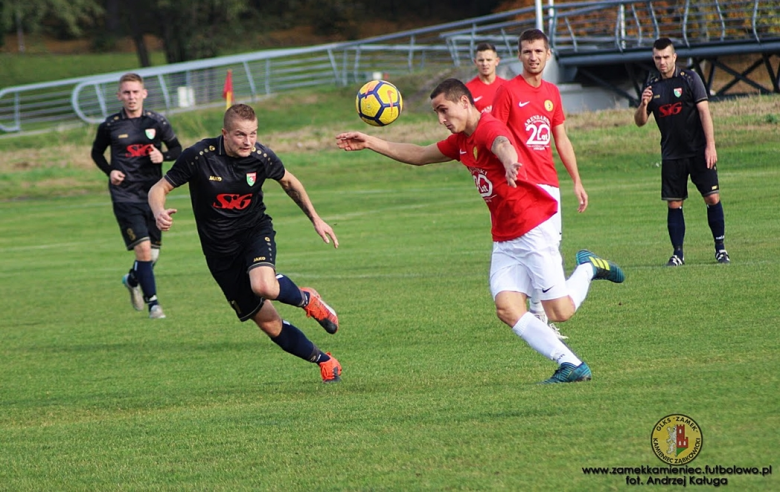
[(532, 109), (483, 87), (525, 248)]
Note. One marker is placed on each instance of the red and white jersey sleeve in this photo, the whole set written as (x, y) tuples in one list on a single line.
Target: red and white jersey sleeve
[(513, 211), (531, 113), (483, 93)]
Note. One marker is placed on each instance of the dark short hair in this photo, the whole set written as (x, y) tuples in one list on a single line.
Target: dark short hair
[(662, 44), (453, 90), (486, 47), (530, 35), (238, 112)]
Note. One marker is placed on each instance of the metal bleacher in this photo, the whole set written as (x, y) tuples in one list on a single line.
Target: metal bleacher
[(605, 44), (609, 43)]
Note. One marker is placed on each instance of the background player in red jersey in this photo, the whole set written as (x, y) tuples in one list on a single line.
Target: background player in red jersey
[(532, 109), (135, 136), (483, 87), (678, 101), (525, 252)]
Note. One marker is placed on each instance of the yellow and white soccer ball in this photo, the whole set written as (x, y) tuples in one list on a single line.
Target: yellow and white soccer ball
[(379, 103)]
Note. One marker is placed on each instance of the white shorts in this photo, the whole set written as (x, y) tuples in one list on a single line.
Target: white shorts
[(556, 219), (528, 263)]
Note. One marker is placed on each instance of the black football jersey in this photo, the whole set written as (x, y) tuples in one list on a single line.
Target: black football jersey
[(131, 140), (674, 107), (226, 192)]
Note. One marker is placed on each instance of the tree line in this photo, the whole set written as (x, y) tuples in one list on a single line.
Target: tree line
[(195, 29)]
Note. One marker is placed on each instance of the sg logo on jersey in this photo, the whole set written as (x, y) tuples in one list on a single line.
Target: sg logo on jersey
[(232, 201), (139, 150), (669, 109)]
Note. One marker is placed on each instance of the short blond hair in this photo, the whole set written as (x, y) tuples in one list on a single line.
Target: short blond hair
[(235, 112), (131, 77)]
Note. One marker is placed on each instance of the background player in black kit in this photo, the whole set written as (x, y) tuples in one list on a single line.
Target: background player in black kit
[(135, 136), (226, 176), (678, 100)]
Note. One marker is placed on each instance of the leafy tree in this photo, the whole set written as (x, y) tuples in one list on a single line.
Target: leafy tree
[(62, 18), (190, 29)]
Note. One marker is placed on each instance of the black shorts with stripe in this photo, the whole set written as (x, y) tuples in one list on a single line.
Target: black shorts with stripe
[(674, 177), (232, 272), (137, 224)]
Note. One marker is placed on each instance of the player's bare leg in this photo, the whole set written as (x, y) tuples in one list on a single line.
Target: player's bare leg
[(266, 283)]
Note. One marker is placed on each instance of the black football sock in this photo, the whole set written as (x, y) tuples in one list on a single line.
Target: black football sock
[(289, 293), (717, 224), (675, 222), (293, 341), (145, 275), (132, 280)]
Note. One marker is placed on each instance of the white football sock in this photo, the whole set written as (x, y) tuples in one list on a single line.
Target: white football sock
[(543, 339), (579, 283)]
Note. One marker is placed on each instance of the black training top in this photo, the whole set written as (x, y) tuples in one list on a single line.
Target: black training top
[(130, 140), (226, 192), (674, 107)]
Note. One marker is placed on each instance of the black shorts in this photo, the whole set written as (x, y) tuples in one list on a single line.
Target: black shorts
[(136, 221), (674, 177), (232, 272)]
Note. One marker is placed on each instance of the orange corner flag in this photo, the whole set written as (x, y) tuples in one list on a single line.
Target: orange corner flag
[(227, 90)]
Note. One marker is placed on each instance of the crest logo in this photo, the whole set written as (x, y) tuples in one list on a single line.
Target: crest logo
[(677, 91), (676, 439), (251, 178), (474, 151), (150, 133), (548, 105)]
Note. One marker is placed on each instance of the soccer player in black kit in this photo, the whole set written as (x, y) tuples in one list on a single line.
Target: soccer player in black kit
[(677, 99), (135, 136), (226, 176)]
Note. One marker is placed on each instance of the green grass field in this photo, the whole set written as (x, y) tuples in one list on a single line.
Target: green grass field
[(436, 392)]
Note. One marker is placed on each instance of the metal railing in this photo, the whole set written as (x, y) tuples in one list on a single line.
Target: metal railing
[(583, 29)]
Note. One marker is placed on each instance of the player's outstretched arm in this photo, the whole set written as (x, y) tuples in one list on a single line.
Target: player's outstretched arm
[(295, 190), (157, 194), (415, 155)]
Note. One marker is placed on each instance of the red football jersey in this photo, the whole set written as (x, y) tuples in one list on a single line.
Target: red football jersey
[(513, 211), (484, 93), (531, 113)]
